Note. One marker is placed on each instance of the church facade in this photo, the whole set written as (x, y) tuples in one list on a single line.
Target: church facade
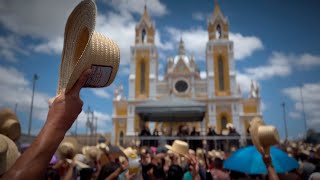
[(183, 97)]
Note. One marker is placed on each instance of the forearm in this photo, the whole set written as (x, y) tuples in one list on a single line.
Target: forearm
[(272, 173), (34, 162), (115, 174)]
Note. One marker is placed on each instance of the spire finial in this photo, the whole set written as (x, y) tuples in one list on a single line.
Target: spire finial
[(182, 51)]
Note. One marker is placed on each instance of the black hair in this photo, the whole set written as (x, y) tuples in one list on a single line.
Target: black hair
[(175, 173), (86, 173), (107, 170)]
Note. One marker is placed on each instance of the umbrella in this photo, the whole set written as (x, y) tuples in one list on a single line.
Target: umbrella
[(249, 160)]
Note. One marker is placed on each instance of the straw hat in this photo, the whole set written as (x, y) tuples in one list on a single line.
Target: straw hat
[(80, 160), (9, 124), (67, 147), (179, 147), (225, 132), (92, 152), (8, 153), (199, 152), (229, 125), (83, 48), (263, 136), (103, 147), (129, 152), (216, 130)]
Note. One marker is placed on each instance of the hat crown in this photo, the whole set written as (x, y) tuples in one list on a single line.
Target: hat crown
[(180, 147), (268, 135), (3, 146)]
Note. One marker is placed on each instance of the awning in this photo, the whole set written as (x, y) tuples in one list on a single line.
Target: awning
[(171, 109)]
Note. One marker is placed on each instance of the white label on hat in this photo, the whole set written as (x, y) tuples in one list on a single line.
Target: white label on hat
[(99, 77)]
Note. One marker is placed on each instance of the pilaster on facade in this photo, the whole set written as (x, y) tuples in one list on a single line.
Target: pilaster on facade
[(130, 121)]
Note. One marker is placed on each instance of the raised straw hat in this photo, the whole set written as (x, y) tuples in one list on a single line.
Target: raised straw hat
[(67, 148), (263, 136), (179, 147), (83, 48), (8, 153), (9, 124)]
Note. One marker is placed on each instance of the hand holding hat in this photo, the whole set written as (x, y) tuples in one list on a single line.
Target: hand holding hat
[(263, 136)]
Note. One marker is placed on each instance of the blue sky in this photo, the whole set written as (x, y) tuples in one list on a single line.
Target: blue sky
[(276, 44)]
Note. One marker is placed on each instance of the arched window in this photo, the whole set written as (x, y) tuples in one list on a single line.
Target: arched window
[(221, 75), (143, 35), (142, 76), (121, 138), (218, 32), (223, 122)]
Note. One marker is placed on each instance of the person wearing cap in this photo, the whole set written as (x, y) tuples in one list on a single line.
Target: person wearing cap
[(64, 110)]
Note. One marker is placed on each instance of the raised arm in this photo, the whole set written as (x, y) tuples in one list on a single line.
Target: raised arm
[(64, 110)]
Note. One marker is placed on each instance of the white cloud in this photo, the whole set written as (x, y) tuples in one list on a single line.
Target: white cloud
[(196, 38), (155, 7), (16, 89), (10, 48), (203, 74), (294, 115), (36, 18), (245, 46), (52, 46), (311, 99), (244, 81), (308, 60), (101, 92), (199, 16), (278, 65)]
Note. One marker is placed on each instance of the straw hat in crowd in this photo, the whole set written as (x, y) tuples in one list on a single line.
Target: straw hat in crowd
[(263, 136), (230, 126), (8, 153), (103, 147), (92, 153), (225, 132), (179, 147), (80, 160), (9, 124), (67, 148), (215, 154), (84, 48)]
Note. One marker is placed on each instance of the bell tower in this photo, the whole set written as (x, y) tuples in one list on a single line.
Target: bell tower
[(143, 69), (221, 78)]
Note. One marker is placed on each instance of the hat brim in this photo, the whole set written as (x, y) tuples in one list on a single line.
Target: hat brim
[(80, 23), (176, 152), (80, 164), (254, 126)]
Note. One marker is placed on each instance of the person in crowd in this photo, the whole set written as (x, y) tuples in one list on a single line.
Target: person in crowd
[(145, 132), (210, 134), (218, 172)]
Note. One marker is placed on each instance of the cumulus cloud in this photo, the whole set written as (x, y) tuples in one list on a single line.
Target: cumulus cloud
[(15, 89), (278, 65), (311, 99), (155, 8), (102, 93), (307, 60), (244, 81), (245, 46), (196, 38), (199, 16), (10, 47)]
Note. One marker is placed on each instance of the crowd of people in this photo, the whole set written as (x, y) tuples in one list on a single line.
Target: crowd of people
[(163, 163), (184, 133)]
